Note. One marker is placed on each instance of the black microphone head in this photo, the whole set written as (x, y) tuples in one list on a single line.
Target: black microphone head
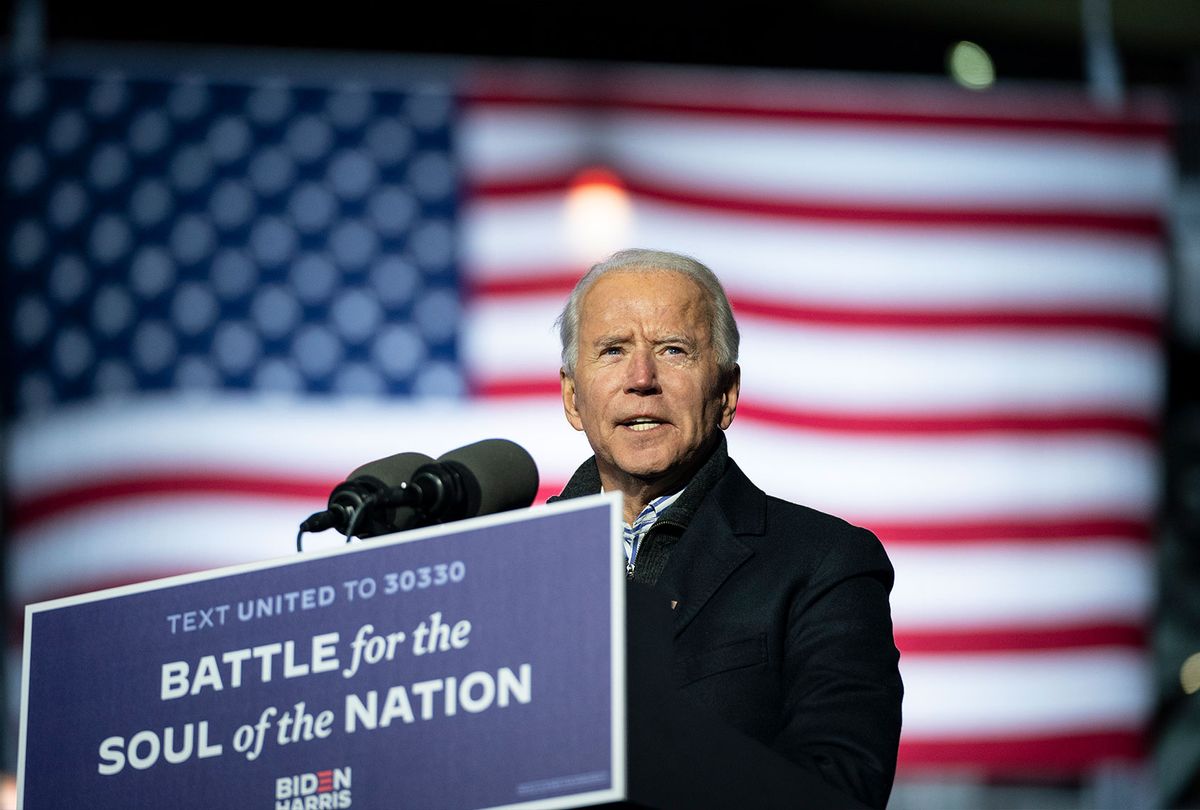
[(393, 470), (498, 474), (381, 475)]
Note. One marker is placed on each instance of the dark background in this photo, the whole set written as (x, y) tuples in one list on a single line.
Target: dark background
[(1028, 39)]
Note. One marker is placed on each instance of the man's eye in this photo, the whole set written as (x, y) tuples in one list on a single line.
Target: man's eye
[(611, 351), (675, 350)]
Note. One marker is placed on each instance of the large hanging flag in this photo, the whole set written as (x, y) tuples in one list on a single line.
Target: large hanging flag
[(226, 290)]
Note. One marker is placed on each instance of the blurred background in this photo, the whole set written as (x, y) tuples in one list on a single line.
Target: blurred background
[(248, 248)]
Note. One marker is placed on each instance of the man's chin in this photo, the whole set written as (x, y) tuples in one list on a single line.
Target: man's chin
[(652, 470), (640, 469)]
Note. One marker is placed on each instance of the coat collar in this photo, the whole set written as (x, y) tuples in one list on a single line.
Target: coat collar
[(723, 507)]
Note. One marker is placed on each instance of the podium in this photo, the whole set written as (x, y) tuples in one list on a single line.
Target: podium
[(502, 661)]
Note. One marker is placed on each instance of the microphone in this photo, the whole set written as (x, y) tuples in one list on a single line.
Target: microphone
[(408, 490), (362, 488), (489, 476)]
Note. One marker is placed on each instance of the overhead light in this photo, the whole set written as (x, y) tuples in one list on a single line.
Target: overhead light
[(599, 214), (970, 66), (1189, 674)]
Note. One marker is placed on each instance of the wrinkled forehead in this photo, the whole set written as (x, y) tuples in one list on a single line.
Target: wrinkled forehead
[(644, 293)]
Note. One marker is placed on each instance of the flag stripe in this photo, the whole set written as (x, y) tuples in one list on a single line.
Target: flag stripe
[(868, 372), (309, 493), (934, 531), (860, 213), (971, 169), (955, 320), (1022, 639), (1026, 693), (849, 266), (863, 106), (951, 423), (1072, 528), (1057, 754), (232, 483), (558, 285), (1000, 585), (841, 422)]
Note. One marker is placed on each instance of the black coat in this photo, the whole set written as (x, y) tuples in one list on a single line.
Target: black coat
[(783, 629)]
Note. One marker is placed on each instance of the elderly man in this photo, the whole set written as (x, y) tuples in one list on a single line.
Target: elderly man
[(781, 622)]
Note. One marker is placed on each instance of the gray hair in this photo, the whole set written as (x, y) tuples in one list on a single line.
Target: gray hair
[(723, 328)]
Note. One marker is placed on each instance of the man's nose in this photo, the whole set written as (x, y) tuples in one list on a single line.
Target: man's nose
[(642, 373)]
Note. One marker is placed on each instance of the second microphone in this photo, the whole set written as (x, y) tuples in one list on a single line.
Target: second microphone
[(409, 490)]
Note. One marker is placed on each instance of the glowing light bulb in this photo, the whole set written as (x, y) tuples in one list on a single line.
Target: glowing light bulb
[(598, 215), (970, 66), (1189, 674)]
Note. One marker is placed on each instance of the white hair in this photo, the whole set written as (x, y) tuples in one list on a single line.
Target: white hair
[(723, 328)]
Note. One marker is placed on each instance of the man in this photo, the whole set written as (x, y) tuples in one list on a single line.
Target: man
[(782, 624)]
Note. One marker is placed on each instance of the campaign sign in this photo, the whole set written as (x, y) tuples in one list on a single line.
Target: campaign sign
[(479, 664)]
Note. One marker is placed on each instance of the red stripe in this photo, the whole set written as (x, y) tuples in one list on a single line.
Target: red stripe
[(1014, 639), (155, 484), (510, 387), (559, 285), (957, 319), (925, 424), (1051, 528), (865, 212), (1139, 125), (934, 424), (1082, 528), (237, 485), (1062, 754)]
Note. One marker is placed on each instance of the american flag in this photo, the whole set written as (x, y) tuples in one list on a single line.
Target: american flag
[(227, 289)]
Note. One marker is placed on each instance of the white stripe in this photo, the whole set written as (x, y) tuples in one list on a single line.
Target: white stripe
[(1030, 584), (867, 477), (845, 264), (497, 142), (832, 161), (881, 371), (512, 337), (270, 437), (881, 479), (1016, 694), (798, 366), (147, 537)]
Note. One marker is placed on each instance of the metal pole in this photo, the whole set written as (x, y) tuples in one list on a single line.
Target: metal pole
[(1102, 63)]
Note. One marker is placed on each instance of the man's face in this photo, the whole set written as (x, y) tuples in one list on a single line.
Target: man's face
[(647, 390)]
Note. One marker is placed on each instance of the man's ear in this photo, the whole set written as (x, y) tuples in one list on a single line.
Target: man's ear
[(568, 397), (731, 386)]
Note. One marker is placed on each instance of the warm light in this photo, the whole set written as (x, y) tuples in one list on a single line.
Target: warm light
[(1189, 674), (599, 215), (970, 66), (8, 791)]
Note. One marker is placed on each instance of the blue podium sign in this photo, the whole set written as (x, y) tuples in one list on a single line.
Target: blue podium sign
[(479, 664)]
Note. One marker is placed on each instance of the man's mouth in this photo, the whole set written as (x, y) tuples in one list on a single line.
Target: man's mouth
[(642, 423)]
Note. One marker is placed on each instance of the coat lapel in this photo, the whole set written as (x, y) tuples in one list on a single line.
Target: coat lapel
[(710, 550)]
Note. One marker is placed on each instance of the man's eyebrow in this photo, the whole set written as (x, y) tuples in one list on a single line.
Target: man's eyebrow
[(683, 339)]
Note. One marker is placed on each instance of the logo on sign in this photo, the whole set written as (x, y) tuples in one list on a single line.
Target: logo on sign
[(319, 790)]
